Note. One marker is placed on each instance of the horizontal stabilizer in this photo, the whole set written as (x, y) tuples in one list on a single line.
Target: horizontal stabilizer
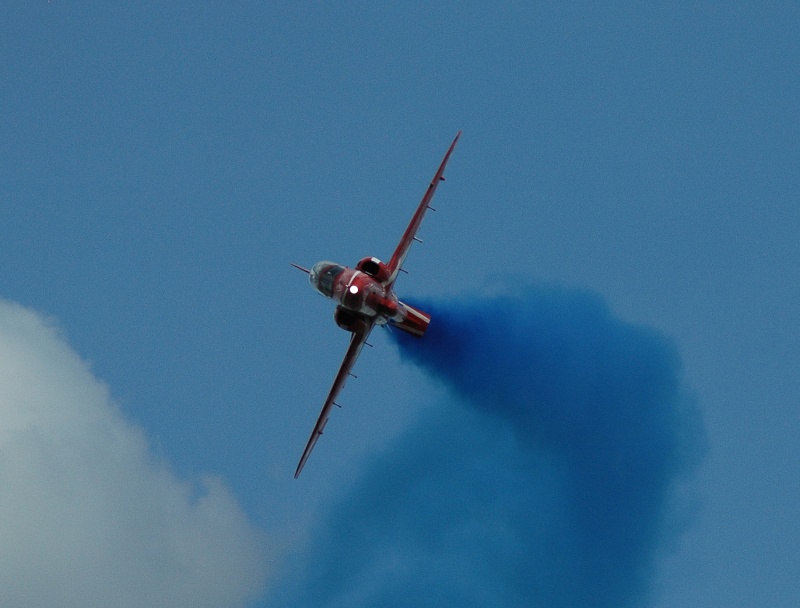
[(411, 320)]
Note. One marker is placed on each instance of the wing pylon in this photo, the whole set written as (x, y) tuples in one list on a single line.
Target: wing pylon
[(359, 337), (410, 235), (357, 341)]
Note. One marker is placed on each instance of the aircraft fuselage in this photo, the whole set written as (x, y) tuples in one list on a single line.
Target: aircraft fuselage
[(355, 290), (363, 295)]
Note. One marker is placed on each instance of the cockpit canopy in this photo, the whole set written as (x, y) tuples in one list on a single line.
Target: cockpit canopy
[(323, 275)]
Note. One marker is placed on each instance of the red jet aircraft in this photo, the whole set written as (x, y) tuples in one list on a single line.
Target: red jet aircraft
[(366, 298)]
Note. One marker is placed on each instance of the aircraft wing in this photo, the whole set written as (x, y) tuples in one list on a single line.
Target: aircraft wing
[(404, 245), (357, 341)]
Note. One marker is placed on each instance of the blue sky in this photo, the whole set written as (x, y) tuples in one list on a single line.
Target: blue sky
[(161, 165)]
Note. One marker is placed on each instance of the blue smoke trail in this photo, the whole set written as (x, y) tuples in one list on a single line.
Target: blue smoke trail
[(546, 481)]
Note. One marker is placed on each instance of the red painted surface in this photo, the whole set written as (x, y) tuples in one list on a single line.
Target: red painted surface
[(365, 297)]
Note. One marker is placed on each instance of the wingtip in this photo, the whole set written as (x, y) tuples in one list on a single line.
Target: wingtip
[(300, 466), (455, 141)]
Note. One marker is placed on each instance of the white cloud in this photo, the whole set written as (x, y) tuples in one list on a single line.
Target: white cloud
[(88, 516)]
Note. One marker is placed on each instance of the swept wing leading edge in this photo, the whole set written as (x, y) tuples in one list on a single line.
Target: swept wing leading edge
[(357, 341), (404, 245), (359, 338)]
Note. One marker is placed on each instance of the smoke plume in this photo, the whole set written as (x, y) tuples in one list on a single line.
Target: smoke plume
[(548, 478)]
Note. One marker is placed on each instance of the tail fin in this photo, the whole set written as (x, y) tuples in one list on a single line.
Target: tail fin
[(411, 320)]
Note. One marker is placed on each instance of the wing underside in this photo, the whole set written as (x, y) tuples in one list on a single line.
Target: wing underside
[(410, 234), (357, 341), (359, 338)]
